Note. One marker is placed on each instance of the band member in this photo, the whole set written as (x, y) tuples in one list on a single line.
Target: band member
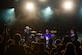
[(47, 36), (73, 34), (27, 33)]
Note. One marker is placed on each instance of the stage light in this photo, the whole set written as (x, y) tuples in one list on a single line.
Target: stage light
[(81, 13), (30, 10), (30, 6), (42, 0), (8, 15), (68, 5), (46, 13)]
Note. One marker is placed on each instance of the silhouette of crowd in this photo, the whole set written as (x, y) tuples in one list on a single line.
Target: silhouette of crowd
[(18, 46)]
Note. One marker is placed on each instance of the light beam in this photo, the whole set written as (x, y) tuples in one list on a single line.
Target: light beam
[(8, 15), (47, 13)]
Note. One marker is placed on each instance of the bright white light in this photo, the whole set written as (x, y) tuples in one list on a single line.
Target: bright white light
[(68, 5), (42, 0), (12, 10), (30, 6), (30, 10)]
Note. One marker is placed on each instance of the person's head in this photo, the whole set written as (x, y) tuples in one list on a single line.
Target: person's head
[(70, 49), (66, 39), (77, 44), (69, 46), (17, 37), (36, 46), (72, 31), (47, 31), (50, 41), (10, 41), (27, 27), (58, 41)]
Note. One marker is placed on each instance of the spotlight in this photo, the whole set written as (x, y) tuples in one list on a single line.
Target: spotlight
[(30, 6), (68, 5), (42, 0)]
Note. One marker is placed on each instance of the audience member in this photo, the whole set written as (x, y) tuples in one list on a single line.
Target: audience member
[(16, 49)]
